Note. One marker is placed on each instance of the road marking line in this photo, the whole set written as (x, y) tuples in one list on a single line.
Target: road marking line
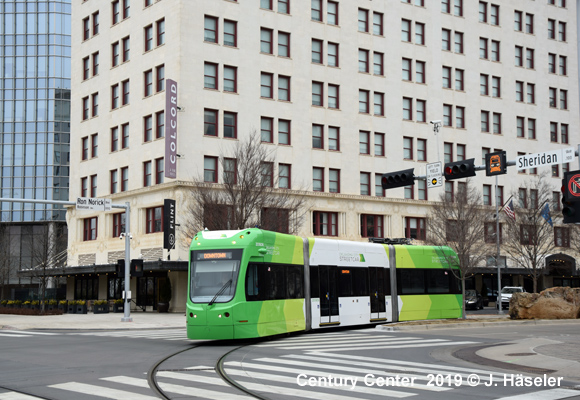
[(17, 396), (378, 361), (292, 380), (179, 389), (350, 344), (101, 391), (389, 365), (30, 332), (553, 394), (340, 368), (403, 346)]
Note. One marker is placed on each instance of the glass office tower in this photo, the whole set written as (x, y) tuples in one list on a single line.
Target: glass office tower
[(35, 72)]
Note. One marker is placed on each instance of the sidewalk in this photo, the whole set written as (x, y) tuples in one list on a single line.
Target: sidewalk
[(141, 320)]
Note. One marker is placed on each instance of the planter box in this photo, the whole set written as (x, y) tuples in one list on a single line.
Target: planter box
[(80, 309), (118, 308), (71, 309), (63, 307), (101, 309)]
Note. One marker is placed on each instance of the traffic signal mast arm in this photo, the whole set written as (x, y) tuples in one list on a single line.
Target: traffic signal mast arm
[(496, 164)]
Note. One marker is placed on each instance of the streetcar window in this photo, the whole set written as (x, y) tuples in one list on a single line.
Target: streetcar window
[(387, 282), (411, 281), (314, 282), (438, 281), (345, 283), (214, 275), (274, 282), (252, 282), (360, 281), (295, 281), (427, 281)]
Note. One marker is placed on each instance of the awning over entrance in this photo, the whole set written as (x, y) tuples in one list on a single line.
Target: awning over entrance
[(148, 266), (560, 264)]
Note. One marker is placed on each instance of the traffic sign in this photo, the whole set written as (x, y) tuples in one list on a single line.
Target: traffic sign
[(571, 186), (495, 163), (434, 174), (93, 204), (560, 156)]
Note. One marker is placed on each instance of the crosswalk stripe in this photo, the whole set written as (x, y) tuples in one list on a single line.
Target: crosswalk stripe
[(30, 332), (421, 343), (340, 368), (287, 391), (12, 335), (16, 396), (180, 334), (354, 344), (316, 338), (433, 369), (100, 391), (377, 361), (552, 394), (365, 339), (194, 378), (287, 379), (179, 389)]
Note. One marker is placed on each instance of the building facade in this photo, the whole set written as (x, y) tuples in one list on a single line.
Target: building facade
[(35, 90), (340, 91)]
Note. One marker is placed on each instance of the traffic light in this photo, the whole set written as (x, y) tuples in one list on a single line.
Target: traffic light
[(392, 180), (459, 169), (137, 267), (120, 268), (570, 209)]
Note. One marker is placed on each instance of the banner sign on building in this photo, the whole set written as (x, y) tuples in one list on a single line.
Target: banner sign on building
[(169, 224), (170, 129)]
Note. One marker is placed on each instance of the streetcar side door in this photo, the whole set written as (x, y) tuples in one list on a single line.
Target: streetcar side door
[(378, 289), (329, 309)]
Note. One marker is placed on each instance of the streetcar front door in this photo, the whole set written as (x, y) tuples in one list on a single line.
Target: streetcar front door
[(328, 295), (378, 288)]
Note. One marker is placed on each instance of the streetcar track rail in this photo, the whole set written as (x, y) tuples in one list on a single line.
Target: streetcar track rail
[(218, 368)]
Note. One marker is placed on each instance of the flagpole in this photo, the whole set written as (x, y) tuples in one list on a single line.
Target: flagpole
[(498, 299)]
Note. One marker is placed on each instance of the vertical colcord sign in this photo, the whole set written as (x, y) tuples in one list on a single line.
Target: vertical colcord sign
[(170, 129)]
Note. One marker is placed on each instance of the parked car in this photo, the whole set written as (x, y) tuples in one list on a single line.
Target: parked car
[(473, 300), (506, 295)]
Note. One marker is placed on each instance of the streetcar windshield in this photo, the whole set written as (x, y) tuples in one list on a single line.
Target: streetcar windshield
[(214, 275)]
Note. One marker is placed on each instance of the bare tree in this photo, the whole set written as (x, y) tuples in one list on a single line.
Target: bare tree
[(249, 194), (48, 246), (460, 223), (530, 238)]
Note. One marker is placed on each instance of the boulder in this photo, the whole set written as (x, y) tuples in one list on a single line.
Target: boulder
[(552, 303)]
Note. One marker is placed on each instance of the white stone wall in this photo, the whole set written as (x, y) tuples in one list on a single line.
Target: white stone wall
[(185, 52)]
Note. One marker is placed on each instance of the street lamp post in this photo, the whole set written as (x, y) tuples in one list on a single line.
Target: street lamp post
[(498, 299)]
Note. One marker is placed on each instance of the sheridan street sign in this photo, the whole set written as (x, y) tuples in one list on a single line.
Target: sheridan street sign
[(93, 203), (560, 156)]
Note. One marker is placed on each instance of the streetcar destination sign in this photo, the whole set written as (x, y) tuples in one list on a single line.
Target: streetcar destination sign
[(559, 156), (93, 203)]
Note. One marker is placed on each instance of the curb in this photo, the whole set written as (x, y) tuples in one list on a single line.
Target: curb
[(455, 325)]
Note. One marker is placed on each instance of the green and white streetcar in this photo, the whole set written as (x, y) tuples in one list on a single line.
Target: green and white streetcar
[(253, 283)]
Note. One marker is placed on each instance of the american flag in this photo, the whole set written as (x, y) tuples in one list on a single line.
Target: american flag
[(509, 210)]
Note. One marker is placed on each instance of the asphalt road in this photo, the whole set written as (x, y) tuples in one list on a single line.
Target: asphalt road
[(115, 365)]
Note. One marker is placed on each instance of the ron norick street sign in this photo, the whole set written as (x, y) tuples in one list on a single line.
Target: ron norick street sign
[(93, 203), (559, 156)]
